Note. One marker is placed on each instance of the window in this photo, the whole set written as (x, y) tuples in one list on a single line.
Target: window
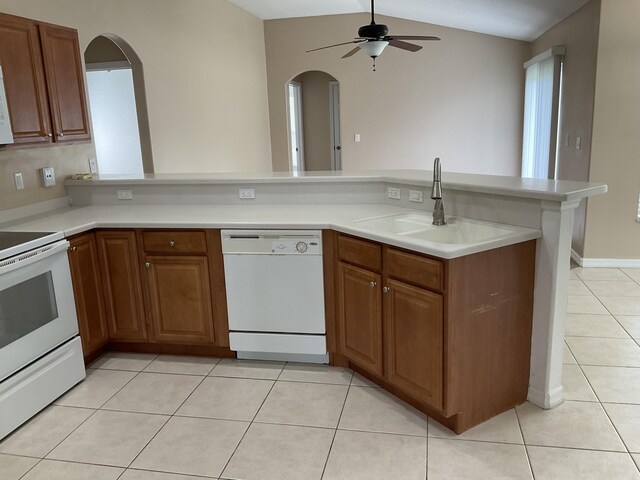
[(541, 105)]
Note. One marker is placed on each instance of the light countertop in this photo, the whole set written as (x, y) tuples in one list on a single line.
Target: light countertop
[(555, 190), (74, 220)]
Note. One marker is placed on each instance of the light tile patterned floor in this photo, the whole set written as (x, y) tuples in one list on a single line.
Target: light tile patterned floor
[(147, 417)]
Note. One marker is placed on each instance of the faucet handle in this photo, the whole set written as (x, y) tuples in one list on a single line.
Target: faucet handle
[(437, 170)]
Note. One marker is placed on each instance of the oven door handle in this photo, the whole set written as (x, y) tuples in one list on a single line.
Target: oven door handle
[(32, 256)]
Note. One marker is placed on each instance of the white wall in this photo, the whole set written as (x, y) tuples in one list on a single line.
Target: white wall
[(115, 123)]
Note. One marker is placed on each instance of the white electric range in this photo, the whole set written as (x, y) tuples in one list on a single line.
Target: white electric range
[(40, 351)]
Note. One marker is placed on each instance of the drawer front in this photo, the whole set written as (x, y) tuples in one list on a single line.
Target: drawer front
[(175, 242), (359, 252), (415, 269)]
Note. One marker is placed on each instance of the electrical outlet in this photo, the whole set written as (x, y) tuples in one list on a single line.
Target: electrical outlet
[(393, 193), (48, 177), (247, 193), (124, 194), (416, 196), (93, 165), (17, 177)]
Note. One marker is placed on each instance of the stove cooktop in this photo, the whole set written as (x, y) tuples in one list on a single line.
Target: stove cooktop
[(14, 243)]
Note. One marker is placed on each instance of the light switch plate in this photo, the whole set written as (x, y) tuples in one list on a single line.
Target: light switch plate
[(48, 177), (393, 193), (17, 177), (416, 196), (93, 165)]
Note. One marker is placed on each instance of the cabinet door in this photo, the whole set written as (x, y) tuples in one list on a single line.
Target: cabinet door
[(414, 341), (360, 317), (180, 299), (24, 83), (87, 290), (65, 82), (122, 285)]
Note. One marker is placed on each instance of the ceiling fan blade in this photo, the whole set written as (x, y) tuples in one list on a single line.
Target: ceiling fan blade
[(336, 45), (414, 37), (404, 45), (352, 52)]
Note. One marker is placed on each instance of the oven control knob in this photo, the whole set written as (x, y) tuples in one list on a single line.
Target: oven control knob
[(301, 247)]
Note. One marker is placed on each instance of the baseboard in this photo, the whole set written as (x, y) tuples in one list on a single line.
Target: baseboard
[(545, 400), (605, 262)]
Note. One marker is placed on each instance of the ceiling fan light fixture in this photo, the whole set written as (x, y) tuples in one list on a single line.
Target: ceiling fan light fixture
[(373, 48)]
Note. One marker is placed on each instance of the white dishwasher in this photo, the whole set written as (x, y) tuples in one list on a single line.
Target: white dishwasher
[(275, 294)]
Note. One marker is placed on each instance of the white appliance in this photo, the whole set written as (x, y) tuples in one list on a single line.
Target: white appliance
[(275, 294), (6, 135), (40, 351)]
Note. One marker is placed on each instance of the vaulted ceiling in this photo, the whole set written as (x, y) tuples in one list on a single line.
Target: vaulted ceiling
[(518, 19)]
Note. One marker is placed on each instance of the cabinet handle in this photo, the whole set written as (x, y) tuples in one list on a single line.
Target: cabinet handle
[(48, 134), (147, 264), (61, 134), (385, 289), (373, 284), (172, 243), (73, 249)]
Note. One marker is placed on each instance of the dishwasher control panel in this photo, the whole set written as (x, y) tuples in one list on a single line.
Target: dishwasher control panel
[(272, 242)]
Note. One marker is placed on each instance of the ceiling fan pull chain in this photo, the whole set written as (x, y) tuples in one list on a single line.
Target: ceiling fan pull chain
[(374, 64)]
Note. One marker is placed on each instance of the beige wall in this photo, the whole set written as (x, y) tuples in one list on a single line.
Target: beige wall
[(315, 115), (579, 33), (611, 229), (459, 99), (205, 75)]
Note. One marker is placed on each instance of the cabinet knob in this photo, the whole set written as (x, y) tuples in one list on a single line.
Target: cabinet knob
[(373, 284), (172, 243), (147, 264), (73, 249), (61, 134), (48, 134), (385, 289)]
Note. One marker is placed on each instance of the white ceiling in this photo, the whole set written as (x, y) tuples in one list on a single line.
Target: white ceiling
[(519, 19)]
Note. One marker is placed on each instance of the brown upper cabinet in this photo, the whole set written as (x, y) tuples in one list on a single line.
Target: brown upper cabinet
[(44, 82)]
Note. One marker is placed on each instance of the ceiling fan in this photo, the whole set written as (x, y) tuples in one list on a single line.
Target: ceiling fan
[(374, 38)]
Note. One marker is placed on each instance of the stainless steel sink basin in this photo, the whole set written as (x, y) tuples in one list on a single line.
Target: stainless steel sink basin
[(403, 223)]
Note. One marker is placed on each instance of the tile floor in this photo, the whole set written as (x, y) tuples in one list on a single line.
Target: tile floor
[(148, 417)]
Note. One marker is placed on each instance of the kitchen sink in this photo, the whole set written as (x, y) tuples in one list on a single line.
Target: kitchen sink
[(418, 226), (403, 223), (458, 231)]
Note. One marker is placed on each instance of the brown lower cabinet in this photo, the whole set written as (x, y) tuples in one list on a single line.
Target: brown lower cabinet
[(152, 291), (180, 299), (452, 337), (88, 294), (122, 285)]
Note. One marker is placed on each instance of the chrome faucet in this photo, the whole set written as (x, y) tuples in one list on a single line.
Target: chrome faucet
[(436, 194)]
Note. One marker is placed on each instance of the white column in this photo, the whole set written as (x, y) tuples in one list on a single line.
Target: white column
[(550, 303)]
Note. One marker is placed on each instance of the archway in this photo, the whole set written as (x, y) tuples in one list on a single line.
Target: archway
[(313, 119), (115, 82)]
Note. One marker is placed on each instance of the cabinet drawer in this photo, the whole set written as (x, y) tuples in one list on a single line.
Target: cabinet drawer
[(415, 269), (173, 242), (359, 252)]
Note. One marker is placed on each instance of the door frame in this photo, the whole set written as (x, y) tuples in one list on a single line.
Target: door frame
[(299, 137), (334, 119)]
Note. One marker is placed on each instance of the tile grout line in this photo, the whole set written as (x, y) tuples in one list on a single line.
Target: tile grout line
[(524, 443), (335, 431), (602, 406), (252, 420)]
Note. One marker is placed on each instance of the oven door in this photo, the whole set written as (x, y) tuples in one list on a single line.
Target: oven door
[(37, 310)]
